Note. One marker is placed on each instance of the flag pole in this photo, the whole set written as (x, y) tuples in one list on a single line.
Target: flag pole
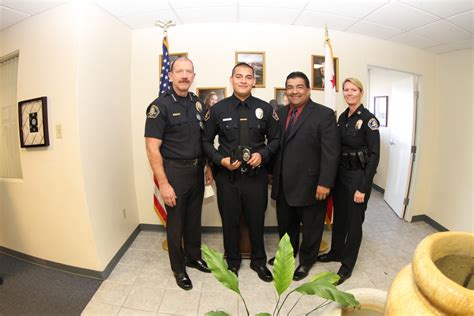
[(159, 209)]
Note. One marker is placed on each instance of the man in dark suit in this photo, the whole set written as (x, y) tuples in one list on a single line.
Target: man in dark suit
[(304, 169)]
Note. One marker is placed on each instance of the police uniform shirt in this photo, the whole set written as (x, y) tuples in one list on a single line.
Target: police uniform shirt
[(177, 121), (358, 132), (223, 119)]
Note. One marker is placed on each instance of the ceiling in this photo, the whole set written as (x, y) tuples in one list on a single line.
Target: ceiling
[(438, 26)]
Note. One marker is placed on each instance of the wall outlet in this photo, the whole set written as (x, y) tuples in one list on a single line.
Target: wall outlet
[(124, 213), (59, 131)]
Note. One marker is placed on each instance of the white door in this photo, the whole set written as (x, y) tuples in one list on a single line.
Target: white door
[(401, 118)]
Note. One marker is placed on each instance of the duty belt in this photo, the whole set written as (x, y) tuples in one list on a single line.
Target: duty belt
[(354, 160), (184, 162)]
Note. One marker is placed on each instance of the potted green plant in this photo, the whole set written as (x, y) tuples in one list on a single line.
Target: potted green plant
[(322, 284)]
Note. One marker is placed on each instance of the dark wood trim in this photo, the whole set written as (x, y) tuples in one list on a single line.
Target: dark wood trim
[(377, 188)]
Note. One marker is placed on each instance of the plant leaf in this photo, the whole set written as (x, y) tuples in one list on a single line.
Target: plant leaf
[(328, 291), (263, 314), (219, 269), (329, 277), (284, 265), (216, 313)]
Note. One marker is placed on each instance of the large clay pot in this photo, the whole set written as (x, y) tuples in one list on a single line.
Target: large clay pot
[(433, 283)]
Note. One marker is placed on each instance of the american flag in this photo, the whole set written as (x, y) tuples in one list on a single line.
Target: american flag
[(164, 87), (165, 68)]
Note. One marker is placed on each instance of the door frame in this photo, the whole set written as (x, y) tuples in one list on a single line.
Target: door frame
[(414, 144)]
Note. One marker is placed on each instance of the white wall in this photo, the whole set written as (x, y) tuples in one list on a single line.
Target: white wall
[(103, 93), (212, 48), (68, 206), (451, 201), (45, 214)]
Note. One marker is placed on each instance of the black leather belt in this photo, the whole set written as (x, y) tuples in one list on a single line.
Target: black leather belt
[(184, 162)]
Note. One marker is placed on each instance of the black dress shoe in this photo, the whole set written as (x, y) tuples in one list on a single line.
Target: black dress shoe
[(201, 265), (343, 276), (271, 261), (301, 272), (263, 273), (235, 270), (329, 257), (183, 281)]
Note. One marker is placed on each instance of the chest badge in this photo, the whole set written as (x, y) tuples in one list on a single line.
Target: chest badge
[(358, 124), (153, 112), (259, 113), (198, 106)]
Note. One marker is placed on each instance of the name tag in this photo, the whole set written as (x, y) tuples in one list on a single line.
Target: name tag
[(243, 119), (227, 119), (176, 114)]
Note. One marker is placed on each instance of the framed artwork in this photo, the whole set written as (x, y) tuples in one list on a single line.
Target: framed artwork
[(257, 61), (212, 95), (173, 57), (280, 96), (381, 109), (317, 72), (33, 122)]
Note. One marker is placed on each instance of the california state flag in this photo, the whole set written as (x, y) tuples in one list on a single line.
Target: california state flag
[(329, 76)]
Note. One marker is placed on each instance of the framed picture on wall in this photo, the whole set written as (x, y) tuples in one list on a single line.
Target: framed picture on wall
[(257, 61), (33, 122), (317, 72), (280, 96), (211, 95), (173, 57), (381, 109)]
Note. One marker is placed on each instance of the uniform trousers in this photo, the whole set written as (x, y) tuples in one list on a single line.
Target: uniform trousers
[(247, 195), (183, 227), (348, 218), (308, 219)]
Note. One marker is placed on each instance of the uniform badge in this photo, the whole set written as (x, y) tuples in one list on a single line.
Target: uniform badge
[(259, 113), (198, 106), (153, 112), (358, 124), (373, 124), (275, 116)]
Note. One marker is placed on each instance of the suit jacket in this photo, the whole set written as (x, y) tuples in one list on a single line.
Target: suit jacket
[(308, 157)]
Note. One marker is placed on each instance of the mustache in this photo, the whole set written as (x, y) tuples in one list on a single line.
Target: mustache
[(183, 81)]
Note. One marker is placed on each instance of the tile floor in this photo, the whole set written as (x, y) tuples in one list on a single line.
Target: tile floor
[(142, 282)]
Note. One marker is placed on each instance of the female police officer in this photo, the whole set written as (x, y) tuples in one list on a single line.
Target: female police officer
[(360, 145)]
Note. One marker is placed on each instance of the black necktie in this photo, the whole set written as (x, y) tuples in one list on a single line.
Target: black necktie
[(290, 124)]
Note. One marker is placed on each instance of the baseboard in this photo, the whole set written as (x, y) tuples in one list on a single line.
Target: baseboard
[(52, 265), (428, 220), (377, 188), (88, 273)]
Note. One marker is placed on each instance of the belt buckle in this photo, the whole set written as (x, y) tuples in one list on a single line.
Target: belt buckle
[(243, 169), (195, 161)]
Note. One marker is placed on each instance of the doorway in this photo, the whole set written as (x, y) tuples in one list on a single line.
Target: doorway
[(393, 97)]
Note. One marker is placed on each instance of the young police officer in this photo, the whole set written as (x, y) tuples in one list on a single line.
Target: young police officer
[(173, 144), (243, 124)]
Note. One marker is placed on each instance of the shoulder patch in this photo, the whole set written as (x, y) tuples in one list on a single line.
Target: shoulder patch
[(153, 111), (275, 116), (373, 124)]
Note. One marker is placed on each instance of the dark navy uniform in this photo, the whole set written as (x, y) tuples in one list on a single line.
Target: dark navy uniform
[(246, 190), (360, 145), (177, 121)]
